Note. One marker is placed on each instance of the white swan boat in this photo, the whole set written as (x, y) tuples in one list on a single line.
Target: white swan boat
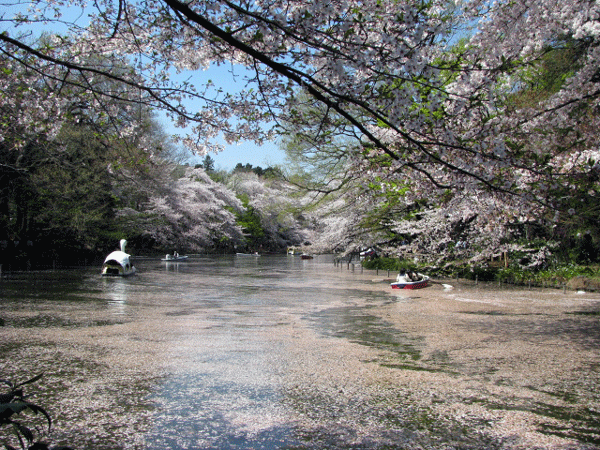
[(117, 263)]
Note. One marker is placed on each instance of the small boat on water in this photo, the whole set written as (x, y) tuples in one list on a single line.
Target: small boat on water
[(117, 263), (248, 254), (410, 281), (174, 257), (306, 256)]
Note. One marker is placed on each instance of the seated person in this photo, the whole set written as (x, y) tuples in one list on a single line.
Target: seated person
[(413, 276)]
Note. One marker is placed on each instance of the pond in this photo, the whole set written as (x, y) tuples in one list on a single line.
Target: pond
[(276, 352)]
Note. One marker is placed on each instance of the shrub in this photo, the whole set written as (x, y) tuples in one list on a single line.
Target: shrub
[(392, 264), (13, 403)]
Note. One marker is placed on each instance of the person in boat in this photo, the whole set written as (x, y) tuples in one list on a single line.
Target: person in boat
[(413, 276)]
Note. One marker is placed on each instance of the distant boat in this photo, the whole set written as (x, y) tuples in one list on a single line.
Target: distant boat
[(174, 257), (369, 253), (294, 251), (306, 256), (404, 281), (117, 263), (248, 254)]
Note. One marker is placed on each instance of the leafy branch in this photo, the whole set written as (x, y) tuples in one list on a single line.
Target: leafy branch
[(13, 403)]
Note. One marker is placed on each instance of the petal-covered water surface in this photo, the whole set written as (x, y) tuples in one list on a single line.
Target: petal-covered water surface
[(276, 352)]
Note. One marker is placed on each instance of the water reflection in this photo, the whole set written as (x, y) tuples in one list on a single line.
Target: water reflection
[(173, 266), (116, 290)]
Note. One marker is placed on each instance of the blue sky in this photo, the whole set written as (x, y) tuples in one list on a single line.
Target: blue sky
[(230, 79), (269, 154), (245, 152)]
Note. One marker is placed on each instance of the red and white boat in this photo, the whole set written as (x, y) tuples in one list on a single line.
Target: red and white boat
[(406, 281)]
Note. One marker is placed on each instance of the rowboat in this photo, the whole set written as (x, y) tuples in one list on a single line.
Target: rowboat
[(117, 263), (369, 253), (406, 281), (174, 257)]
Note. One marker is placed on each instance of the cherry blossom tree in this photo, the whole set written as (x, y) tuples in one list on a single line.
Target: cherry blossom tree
[(54, 184), (373, 64), (65, 166), (425, 90), (192, 213), (279, 205)]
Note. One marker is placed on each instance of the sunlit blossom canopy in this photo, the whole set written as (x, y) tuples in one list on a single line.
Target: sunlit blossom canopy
[(426, 91)]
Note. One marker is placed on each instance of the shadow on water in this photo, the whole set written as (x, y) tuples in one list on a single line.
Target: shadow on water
[(399, 349), (570, 421), (194, 416), (43, 299), (403, 350), (355, 324), (59, 285)]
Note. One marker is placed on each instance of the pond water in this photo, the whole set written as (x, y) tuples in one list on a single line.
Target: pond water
[(276, 352)]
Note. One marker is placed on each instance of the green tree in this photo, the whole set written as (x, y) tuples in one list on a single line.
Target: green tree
[(75, 200), (250, 222), (208, 164), (61, 185)]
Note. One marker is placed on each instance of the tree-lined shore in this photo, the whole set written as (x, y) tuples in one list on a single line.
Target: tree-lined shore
[(451, 134)]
